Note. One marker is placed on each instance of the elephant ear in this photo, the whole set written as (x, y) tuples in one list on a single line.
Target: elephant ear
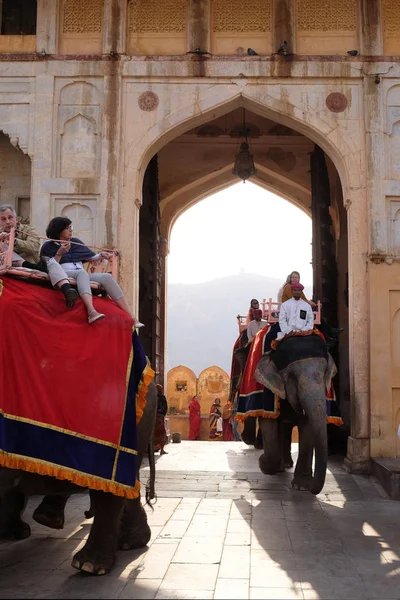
[(330, 372), (268, 375)]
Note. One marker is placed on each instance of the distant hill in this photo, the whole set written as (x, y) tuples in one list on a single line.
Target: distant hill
[(202, 325)]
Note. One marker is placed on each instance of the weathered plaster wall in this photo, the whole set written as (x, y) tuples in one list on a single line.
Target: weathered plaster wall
[(15, 173)]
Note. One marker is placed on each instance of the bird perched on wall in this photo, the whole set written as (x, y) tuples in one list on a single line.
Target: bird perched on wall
[(283, 48), (352, 52), (251, 52)]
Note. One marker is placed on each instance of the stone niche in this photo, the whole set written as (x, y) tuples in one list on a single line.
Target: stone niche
[(326, 27), (393, 132), (82, 211), (213, 383), (79, 131), (181, 387), (393, 207)]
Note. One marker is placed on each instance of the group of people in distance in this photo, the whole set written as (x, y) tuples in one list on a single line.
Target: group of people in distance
[(295, 313), (222, 424), (61, 257)]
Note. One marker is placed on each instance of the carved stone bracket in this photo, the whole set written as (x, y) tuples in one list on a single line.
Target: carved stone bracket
[(383, 258)]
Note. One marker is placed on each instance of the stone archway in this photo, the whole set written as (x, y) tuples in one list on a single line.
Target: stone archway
[(290, 107)]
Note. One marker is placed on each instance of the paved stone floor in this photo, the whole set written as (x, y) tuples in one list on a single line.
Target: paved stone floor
[(221, 529)]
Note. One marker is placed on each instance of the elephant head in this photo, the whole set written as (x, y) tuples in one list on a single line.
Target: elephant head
[(300, 370)]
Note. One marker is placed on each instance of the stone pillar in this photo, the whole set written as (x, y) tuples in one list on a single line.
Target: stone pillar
[(199, 25), (164, 251), (371, 42), (48, 12), (114, 26), (358, 447), (42, 150), (284, 25)]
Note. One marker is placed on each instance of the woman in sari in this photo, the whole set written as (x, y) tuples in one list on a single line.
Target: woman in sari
[(215, 415), (227, 431), (194, 419)]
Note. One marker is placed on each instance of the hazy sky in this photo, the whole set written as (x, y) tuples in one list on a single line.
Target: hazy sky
[(243, 229)]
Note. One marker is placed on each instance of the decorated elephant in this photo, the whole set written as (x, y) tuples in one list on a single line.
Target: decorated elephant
[(118, 522), (299, 373)]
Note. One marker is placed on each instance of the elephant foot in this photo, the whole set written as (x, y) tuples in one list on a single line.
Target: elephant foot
[(54, 520), (14, 530), (302, 483), (136, 532), (91, 560), (288, 461), (50, 512), (269, 468)]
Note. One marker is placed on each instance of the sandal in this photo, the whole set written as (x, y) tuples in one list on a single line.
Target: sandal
[(95, 316), (71, 296)]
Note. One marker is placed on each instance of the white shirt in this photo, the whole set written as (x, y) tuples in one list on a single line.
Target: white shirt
[(254, 327), (295, 315)]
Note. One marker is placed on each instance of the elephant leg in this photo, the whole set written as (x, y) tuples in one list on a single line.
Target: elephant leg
[(12, 506), (259, 444), (135, 531), (98, 555), (271, 460), (286, 428), (90, 512), (249, 431), (50, 511), (303, 473)]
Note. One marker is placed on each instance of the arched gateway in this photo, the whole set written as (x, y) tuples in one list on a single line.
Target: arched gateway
[(131, 112), (303, 151)]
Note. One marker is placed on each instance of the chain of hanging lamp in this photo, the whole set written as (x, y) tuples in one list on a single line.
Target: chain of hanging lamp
[(244, 164)]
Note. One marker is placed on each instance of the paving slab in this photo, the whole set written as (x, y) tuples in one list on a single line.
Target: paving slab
[(221, 529)]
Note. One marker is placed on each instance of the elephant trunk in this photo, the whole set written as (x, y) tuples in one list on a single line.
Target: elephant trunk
[(316, 413)]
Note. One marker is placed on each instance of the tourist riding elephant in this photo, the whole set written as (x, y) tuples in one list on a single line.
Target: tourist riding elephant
[(118, 522), (299, 370)]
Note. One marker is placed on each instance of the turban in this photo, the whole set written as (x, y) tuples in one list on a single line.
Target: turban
[(297, 286), (257, 312)]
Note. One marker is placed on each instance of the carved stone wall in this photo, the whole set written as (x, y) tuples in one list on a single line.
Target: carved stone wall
[(82, 210), (391, 26), (81, 25), (157, 27), (326, 28), (79, 131), (15, 174), (393, 132), (394, 303), (237, 26)]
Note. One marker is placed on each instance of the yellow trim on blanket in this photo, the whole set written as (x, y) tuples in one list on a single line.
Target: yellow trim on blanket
[(1, 287), (257, 413), (147, 377), (42, 467), (67, 432)]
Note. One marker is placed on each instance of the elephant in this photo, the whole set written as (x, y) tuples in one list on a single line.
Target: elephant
[(300, 371), (118, 522), (250, 435)]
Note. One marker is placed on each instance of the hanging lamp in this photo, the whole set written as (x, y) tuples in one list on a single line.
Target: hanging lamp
[(244, 164)]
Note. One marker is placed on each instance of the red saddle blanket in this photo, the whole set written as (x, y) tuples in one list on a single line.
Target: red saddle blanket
[(69, 391)]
